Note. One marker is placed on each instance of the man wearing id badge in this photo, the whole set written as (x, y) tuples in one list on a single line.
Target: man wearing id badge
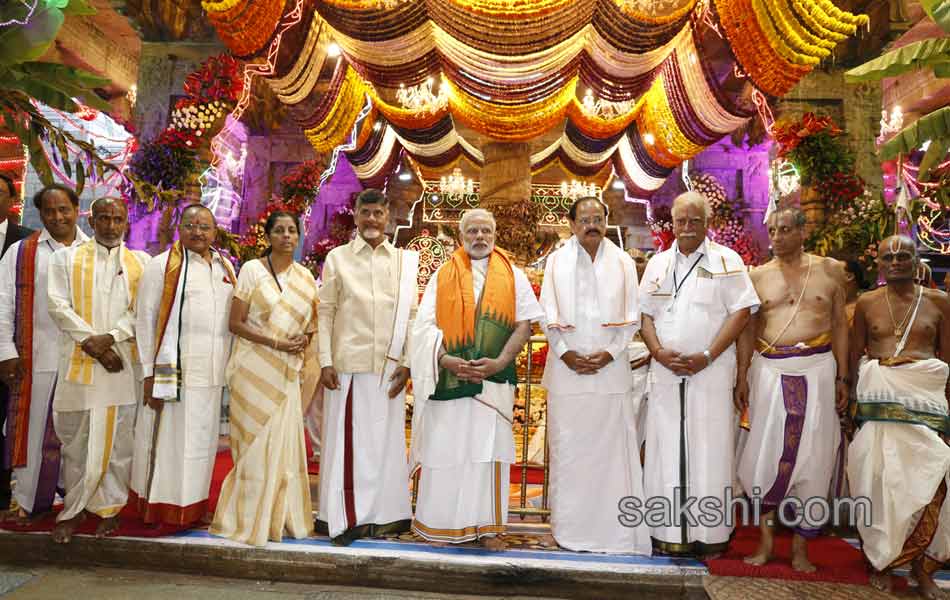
[(695, 299)]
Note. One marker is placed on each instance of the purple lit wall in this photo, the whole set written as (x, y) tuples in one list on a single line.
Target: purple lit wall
[(334, 195)]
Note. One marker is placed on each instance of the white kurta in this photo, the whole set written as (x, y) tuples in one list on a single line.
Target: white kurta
[(95, 421), (46, 345), (465, 447), (690, 422), (592, 419), (794, 432), (180, 462)]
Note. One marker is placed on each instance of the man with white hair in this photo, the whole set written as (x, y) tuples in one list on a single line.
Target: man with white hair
[(474, 318), (695, 299)]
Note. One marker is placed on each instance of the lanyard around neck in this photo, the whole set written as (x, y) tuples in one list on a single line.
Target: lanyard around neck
[(677, 286)]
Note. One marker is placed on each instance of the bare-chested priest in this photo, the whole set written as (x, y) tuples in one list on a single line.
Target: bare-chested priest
[(792, 372), (900, 346)]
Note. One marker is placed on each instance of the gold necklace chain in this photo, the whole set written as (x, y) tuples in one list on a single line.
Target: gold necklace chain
[(898, 329)]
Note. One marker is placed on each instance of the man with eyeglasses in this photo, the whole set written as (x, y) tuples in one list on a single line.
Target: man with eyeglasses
[(792, 375), (695, 298), (29, 351), (591, 311), (10, 233), (899, 459), (91, 292), (184, 343)]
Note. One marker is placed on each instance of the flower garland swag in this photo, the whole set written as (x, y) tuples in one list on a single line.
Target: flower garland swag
[(726, 225), (298, 190), (161, 170)]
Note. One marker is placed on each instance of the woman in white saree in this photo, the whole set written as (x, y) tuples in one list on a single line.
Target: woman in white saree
[(273, 318)]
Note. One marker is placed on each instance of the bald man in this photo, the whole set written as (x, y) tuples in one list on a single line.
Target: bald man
[(91, 292), (695, 298), (900, 345)]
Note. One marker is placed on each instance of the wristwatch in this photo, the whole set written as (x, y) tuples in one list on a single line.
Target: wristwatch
[(708, 357)]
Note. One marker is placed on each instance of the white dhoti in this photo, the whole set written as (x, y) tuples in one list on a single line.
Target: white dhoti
[(790, 449), (689, 455), (899, 462), (595, 463), (97, 459), (364, 472), (171, 476), (466, 456), (36, 482)]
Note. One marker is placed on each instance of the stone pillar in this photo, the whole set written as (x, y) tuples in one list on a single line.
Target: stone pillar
[(505, 189), (162, 70)]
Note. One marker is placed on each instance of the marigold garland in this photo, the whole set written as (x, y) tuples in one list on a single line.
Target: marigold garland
[(780, 40), (333, 129), (676, 15), (251, 28), (511, 123), (671, 146)]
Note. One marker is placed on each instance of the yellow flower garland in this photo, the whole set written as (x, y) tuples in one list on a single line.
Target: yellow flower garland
[(776, 40), (671, 146), (789, 31), (223, 6), (339, 120), (642, 17), (513, 123)]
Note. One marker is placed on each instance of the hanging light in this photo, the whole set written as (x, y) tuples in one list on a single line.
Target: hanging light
[(455, 186), (578, 189), (419, 98)]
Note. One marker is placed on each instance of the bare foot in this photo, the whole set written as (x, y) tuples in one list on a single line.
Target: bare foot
[(493, 543), (800, 560), (764, 552), (107, 527), (925, 583), (63, 532), (547, 541), (881, 580)]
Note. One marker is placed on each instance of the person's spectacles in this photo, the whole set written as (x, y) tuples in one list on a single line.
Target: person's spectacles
[(591, 221), (202, 227)]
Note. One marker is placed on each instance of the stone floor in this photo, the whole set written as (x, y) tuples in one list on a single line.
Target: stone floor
[(51, 583)]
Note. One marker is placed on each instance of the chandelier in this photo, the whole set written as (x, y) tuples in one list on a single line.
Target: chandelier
[(419, 98), (891, 124), (605, 109), (578, 189), (455, 186)]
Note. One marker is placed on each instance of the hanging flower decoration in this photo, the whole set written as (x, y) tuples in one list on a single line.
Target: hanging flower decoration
[(341, 229), (198, 117), (726, 225), (814, 145), (300, 184), (218, 79)]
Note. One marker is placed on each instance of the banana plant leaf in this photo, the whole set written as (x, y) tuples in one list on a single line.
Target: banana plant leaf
[(934, 127), (31, 41), (925, 53), (939, 11), (56, 85)]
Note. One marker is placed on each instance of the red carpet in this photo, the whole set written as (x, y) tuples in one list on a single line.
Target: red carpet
[(836, 559), (129, 522)]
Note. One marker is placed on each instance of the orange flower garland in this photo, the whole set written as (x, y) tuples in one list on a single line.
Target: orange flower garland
[(671, 146), (246, 27)]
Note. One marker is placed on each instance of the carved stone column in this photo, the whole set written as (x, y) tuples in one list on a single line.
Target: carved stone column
[(505, 189)]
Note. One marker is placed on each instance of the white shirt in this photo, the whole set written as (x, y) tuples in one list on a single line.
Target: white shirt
[(3, 231), (205, 338), (688, 321), (111, 314), (46, 334)]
